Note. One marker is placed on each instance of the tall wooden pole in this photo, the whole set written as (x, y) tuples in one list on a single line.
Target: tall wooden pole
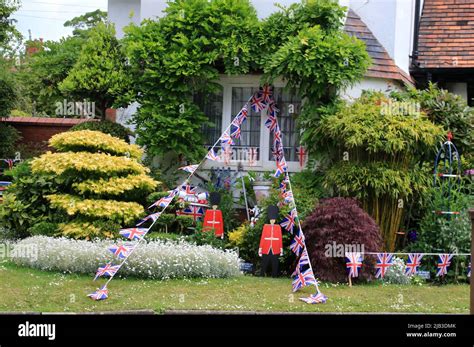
[(471, 213)]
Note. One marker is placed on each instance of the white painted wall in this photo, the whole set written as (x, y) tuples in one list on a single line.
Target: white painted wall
[(458, 88), (369, 83)]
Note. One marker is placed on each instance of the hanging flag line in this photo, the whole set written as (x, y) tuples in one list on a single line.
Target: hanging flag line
[(124, 251), (385, 260), (401, 253)]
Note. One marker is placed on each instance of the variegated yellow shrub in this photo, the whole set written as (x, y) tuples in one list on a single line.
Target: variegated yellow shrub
[(101, 163), (116, 185), (84, 230), (117, 211), (94, 141)]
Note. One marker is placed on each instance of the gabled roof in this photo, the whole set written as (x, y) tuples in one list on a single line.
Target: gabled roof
[(446, 38), (383, 66)]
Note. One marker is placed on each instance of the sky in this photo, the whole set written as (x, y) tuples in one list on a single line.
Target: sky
[(45, 18)]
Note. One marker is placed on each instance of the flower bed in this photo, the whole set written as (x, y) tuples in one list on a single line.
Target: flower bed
[(154, 259)]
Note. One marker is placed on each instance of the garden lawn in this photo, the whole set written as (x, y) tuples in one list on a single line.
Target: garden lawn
[(25, 289)]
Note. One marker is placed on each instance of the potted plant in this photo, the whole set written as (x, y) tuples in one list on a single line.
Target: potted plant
[(261, 184)]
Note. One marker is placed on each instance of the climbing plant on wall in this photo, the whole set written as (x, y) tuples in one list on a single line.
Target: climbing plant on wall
[(183, 53)]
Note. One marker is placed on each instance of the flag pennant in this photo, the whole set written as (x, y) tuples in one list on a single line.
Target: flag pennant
[(298, 243), (189, 168), (194, 211), (303, 279), (302, 155), (235, 131), (226, 139), (99, 294), (318, 298), (134, 233), (241, 117), (188, 189), (272, 109), (304, 259), (122, 251), (281, 167), (211, 155), (353, 263), (266, 94), (289, 221), (153, 217), (257, 103), (414, 261), (163, 202), (108, 270), (384, 261), (443, 264), (271, 122)]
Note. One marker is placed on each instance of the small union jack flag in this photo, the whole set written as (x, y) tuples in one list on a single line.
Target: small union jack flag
[(163, 202), (303, 279), (302, 155), (443, 264), (289, 221), (318, 298), (277, 152), (108, 270), (288, 197), (188, 189), (257, 103), (281, 167), (241, 117), (226, 139), (10, 163), (304, 259), (384, 261), (122, 251), (353, 263), (100, 294), (272, 109), (153, 217), (235, 131), (189, 168), (298, 243), (414, 261), (211, 155), (134, 233), (271, 122), (265, 93), (194, 211)]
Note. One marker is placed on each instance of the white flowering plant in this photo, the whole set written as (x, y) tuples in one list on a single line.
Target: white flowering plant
[(158, 259), (396, 273)]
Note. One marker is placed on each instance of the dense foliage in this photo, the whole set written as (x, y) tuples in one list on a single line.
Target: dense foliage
[(7, 24), (183, 53), (334, 224), (86, 194), (107, 127), (377, 157), (8, 139)]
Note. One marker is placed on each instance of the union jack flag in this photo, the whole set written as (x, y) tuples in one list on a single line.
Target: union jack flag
[(257, 103), (303, 279), (122, 251), (211, 155), (194, 211), (99, 294), (226, 139), (281, 167), (277, 137), (318, 298), (277, 152), (443, 264), (265, 93), (235, 131), (188, 189), (163, 202), (189, 168), (271, 122), (304, 259), (272, 108), (153, 217), (288, 197), (241, 116), (298, 243), (289, 221), (384, 261), (353, 263), (414, 261), (10, 162), (134, 233), (301, 152), (107, 270)]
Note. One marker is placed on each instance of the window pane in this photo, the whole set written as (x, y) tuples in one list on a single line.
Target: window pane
[(290, 106), (211, 106), (250, 130)]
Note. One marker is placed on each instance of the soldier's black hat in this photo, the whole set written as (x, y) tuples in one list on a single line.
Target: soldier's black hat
[(214, 198), (273, 212)]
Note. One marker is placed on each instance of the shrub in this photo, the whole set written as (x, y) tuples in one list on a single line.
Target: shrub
[(154, 259), (93, 141), (9, 136), (340, 222), (116, 186), (396, 273), (107, 127), (44, 228)]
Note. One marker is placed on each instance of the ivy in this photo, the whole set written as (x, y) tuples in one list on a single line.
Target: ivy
[(184, 52)]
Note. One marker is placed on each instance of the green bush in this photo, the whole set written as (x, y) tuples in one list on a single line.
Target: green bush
[(44, 228), (9, 137), (107, 127)]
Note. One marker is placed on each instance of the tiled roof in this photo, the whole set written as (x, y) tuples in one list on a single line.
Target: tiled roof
[(383, 65), (446, 38)]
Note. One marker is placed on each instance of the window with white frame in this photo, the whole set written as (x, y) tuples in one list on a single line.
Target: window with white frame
[(222, 107)]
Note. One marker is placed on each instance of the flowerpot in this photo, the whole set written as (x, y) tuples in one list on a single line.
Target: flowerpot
[(262, 190)]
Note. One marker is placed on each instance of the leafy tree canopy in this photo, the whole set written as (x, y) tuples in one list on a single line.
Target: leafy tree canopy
[(8, 31)]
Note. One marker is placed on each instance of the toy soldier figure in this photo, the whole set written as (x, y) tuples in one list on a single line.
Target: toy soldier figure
[(213, 218), (271, 245)]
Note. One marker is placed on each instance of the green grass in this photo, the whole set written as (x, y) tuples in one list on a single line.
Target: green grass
[(24, 289)]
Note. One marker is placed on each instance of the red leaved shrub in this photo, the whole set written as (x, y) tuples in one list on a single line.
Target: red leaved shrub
[(331, 229)]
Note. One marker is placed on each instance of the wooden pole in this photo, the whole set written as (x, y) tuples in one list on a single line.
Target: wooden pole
[(471, 213)]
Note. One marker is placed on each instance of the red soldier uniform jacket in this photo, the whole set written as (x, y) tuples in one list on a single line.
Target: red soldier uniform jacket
[(271, 239), (213, 221)]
